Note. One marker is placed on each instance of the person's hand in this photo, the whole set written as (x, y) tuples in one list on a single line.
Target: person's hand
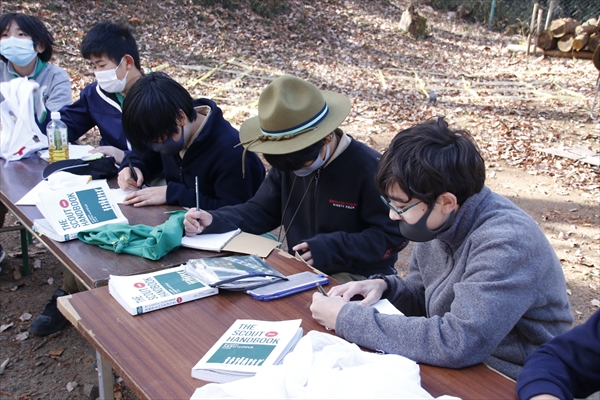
[(304, 250), (544, 397), (110, 151), (196, 221), (152, 196), (326, 309), (126, 181), (370, 289)]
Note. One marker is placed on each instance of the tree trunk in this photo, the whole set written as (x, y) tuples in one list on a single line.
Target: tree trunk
[(594, 41), (413, 23), (560, 27), (584, 55), (580, 41), (546, 41), (585, 28), (565, 43)]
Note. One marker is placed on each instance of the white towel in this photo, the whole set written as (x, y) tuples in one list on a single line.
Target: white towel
[(324, 366)]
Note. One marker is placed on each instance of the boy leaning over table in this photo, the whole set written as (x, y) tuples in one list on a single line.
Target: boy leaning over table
[(484, 283), (320, 188), (113, 54), (185, 139)]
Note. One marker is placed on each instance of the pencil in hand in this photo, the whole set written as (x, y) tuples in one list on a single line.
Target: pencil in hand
[(323, 292), (133, 174)]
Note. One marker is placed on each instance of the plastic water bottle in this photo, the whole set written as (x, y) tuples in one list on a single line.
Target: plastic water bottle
[(58, 143)]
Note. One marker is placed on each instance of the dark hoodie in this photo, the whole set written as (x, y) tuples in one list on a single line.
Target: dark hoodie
[(214, 159), (336, 210)]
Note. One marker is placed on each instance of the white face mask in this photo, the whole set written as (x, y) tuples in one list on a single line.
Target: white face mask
[(318, 163), (108, 80), (19, 51)]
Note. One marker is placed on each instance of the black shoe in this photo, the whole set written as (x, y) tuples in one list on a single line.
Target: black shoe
[(50, 320)]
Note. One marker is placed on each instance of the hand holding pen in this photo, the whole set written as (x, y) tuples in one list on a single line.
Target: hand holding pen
[(133, 173)]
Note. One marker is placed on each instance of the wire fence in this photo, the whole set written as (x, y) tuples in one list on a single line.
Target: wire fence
[(581, 10), (518, 12)]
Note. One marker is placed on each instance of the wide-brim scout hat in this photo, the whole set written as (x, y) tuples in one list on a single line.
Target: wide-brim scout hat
[(292, 115), (596, 58)]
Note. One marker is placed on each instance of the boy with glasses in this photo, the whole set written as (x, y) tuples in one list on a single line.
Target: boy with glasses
[(484, 283)]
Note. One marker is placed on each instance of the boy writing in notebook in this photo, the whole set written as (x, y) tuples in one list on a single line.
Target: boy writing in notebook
[(484, 283), (320, 188), (183, 140), (186, 139)]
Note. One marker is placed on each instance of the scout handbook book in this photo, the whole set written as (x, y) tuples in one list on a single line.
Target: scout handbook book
[(143, 293), (246, 347), (71, 210)]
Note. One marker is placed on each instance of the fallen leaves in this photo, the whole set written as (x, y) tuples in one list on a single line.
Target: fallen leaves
[(56, 352), (25, 317)]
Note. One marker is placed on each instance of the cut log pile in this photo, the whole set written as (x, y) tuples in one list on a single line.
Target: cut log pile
[(568, 35)]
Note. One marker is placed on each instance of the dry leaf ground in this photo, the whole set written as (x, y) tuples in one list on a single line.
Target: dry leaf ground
[(513, 104)]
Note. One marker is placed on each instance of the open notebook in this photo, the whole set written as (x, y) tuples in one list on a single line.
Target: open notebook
[(235, 241), (209, 241)]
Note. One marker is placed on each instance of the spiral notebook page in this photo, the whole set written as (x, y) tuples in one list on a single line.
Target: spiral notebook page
[(209, 241)]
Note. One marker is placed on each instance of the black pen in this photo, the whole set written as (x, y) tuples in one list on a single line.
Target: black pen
[(197, 196), (321, 290), (135, 177)]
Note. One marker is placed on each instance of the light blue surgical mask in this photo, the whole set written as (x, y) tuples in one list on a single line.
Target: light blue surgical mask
[(318, 163), (19, 51)]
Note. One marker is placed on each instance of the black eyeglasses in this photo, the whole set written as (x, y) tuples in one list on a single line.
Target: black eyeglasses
[(394, 209)]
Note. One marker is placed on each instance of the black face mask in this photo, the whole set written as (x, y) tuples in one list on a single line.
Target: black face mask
[(419, 232), (169, 147)]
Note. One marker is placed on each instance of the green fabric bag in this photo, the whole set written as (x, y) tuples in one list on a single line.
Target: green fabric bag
[(152, 242)]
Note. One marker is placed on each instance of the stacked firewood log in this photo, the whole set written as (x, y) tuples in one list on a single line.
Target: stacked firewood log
[(568, 35)]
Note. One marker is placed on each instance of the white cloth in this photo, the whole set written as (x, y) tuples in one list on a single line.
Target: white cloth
[(20, 136), (324, 366)]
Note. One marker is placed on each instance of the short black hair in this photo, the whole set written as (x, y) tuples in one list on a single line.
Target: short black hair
[(429, 159), (112, 40), (296, 160), (151, 109), (34, 27)]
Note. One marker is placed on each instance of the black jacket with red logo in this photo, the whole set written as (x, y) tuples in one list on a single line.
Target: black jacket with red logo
[(337, 210)]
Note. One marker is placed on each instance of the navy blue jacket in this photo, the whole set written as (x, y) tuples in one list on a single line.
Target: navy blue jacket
[(567, 366), (96, 107), (337, 211), (214, 159)]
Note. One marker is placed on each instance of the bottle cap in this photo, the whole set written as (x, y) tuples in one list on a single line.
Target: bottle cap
[(55, 115)]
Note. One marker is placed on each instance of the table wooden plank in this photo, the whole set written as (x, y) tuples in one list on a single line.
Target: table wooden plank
[(155, 352), (90, 263)]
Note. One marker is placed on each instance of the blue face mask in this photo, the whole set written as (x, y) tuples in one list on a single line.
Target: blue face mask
[(169, 147), (318, 163), (19, 51)]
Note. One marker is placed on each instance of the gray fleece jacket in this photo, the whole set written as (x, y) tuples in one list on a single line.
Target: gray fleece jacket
[(490, 289)]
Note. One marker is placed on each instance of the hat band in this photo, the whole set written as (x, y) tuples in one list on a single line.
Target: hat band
[(310, 124)]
